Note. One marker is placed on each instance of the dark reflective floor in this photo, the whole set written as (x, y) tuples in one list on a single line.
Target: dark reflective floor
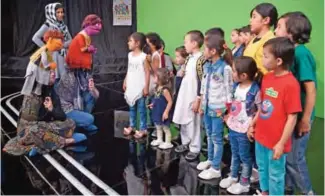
[(126, 165)]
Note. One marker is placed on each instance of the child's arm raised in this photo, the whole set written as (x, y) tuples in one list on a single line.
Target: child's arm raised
[(169, 99)]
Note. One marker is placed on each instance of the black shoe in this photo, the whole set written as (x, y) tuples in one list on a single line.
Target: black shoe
[(181, 149), (191, 156)]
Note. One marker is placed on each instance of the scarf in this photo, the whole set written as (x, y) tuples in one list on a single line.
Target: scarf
[(55, 24)]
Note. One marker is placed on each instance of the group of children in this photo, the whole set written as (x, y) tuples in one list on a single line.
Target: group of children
[(264, 90)]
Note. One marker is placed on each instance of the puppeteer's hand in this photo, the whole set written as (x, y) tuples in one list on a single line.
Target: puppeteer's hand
[(91, 84)]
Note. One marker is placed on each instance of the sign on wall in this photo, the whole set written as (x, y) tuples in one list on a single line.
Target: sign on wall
[(122, 12)]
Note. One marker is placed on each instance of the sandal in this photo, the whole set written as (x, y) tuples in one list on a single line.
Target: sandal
[(140, 134), (127, 131)]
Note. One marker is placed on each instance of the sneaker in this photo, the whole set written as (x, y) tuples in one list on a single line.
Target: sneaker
[(191, 156), (257, 193), (238, 189), (210, 174), (255, 177), (181, 148), (227, 182), (165, 145), (204, 165), (154, 133), (156, 142)]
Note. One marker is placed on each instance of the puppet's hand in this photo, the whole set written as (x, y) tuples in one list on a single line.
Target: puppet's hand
[(92, 49)]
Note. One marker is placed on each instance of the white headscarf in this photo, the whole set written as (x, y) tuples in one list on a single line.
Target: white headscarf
[(53, 22)]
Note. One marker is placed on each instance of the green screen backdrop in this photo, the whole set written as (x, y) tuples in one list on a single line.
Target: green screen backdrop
[(171, 19)]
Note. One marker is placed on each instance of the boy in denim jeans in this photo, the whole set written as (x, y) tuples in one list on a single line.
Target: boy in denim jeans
[(297, 27), (280, 105)]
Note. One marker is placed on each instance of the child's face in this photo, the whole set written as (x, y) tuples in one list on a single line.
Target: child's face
[(179, 59), (234, 37), (270, 62), (132, 44), (257, 22), (189, 44), (242, 38), (281, 29), (208, 53)]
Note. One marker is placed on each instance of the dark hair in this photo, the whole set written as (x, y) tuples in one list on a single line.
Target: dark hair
[(162, 44), (58, 6), (182, 51), (139, 37), (163, 76), (299, 26), (282, 47), (197, 37), (218, 43), (267, 10), (246, 29), (215, 31), (155, 39), (247, 65)]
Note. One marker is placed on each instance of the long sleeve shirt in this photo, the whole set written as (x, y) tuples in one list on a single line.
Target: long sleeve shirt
[(216, 88)]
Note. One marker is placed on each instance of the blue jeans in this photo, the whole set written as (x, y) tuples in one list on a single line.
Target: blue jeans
[(82, 119), (214, 131), (271, 172), (89, 101), (240, 150), (297, 175), (141, 106)]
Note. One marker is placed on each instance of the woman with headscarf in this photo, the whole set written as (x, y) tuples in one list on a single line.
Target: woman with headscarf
[(54, 14)]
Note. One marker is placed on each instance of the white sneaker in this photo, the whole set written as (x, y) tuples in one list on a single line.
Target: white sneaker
[(204, 165), (257, 193), (254, 177), (210, 174), (165, 145), (238, 189), (227, 182), (156, 142)]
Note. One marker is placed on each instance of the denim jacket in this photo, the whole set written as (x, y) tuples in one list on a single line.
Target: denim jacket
[(251, 107), (216, 88)]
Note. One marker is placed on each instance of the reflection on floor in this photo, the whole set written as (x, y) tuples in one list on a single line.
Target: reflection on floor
[(126, 165)]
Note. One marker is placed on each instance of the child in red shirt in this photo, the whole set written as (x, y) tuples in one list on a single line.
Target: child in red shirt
[(280, 93)]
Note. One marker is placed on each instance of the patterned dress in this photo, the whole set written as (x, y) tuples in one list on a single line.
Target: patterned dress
[(45, 136)]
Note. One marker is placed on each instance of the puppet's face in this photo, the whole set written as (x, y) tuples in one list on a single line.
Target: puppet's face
[(94, 29), (54, 44)]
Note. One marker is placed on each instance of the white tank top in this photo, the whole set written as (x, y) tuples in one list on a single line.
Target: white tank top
[(135, 81)]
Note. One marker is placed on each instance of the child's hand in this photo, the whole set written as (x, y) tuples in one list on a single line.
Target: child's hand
[(225, 118), (165, 116), (124, 86), (182, 73), (278, 151), (195, 106), (146, 91), (201, 111), (150, 106), (250, 133), (303, 126)]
